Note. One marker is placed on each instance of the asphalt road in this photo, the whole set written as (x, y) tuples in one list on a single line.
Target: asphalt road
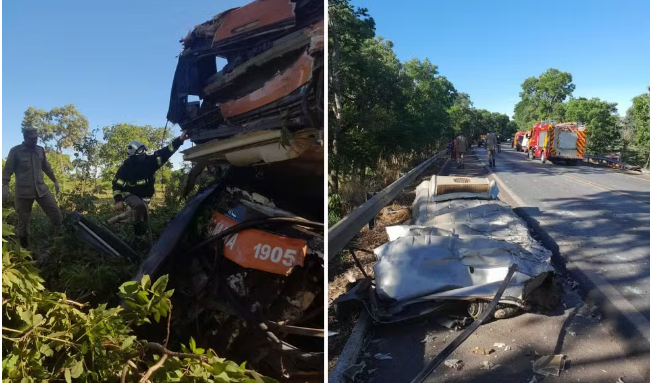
[(599, 220)]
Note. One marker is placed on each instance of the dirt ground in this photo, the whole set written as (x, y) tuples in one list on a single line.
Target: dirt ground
[(343, 271)]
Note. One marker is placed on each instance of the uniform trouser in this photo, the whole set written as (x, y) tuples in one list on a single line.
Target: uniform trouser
[(24, 212), (461, 158), (140, 213), (491, 155)]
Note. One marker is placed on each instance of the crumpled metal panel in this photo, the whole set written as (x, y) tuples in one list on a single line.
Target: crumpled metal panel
[(458, 249), (414, 267)]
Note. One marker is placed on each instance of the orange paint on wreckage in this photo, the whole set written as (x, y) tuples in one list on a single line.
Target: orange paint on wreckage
[(257, 249), (280, 86), (253, 16)]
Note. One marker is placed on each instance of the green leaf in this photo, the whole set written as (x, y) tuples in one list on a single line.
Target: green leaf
[(257, 377), (46, 350), (199, 351), (160, 285), (128, 342), (145, 282), (129, 287), (156, 317), (68, 378), (77, 369), (192, 344)]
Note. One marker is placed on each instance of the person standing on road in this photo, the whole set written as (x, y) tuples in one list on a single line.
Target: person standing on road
[(461, 149), (28, 162), (491, 146), (451, 148), (133, 183)]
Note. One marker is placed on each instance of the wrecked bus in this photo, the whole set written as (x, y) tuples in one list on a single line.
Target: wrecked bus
[(246, 253)]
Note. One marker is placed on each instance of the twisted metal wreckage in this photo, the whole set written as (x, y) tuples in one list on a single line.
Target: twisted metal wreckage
[(245, 254), (457, 252)]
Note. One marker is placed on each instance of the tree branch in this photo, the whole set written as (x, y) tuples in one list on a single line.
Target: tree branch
[(153, 369)]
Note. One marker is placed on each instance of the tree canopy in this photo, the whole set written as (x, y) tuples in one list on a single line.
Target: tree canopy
[(381, 107)]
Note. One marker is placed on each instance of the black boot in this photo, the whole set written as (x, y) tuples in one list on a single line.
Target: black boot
[(23, 242)]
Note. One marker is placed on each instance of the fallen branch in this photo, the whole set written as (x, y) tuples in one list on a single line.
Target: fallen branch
[(153, 369)]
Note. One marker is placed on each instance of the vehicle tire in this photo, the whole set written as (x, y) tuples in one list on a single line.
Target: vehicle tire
[(543, 158), (531, 155)]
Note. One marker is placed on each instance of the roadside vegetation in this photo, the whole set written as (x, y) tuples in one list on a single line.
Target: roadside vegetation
[(71, 314), (385, 115)]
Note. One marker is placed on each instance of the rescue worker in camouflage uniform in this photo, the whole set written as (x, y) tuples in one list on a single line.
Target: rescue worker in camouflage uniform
[(491, 144), (462, 147), (133, 183), (28, 162)]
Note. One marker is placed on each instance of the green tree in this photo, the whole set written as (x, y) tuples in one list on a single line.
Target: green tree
[(117, 137), (87, 159), (641, 120), (601, 120), (542, 98), (59, 128), (348, 28)]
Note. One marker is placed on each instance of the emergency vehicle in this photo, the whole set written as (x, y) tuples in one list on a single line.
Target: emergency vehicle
[(551, 141), (519, 138)]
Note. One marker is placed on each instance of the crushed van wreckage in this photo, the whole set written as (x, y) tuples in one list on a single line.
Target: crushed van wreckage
[(459, 248), (270, 91), (246, 253)]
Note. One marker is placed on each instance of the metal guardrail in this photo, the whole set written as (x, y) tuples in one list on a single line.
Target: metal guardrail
[(343, 231)]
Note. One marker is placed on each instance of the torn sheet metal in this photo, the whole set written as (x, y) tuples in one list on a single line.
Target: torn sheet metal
[(103, 240), (451, 268), (273, 79), (255, 19), (278, 87), (254, 148), (454, 250)]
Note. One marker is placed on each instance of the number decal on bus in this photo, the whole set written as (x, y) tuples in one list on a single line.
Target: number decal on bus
[(277, 254)]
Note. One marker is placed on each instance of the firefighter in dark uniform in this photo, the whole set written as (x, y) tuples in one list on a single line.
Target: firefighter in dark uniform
[(133, 183), (28, 162)]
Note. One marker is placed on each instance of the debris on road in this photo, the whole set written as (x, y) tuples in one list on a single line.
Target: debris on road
[(380, 356), (503, 346), (428, 338), (456, 364), (482, 351), (487, 365), (620, 380), (351, 373), (549, 365), (459, 247)]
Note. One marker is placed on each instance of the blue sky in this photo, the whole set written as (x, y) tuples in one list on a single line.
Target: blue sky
[(114, 60), (488, 48)]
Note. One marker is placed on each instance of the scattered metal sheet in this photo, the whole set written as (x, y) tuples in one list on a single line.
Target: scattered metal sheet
[(100, 238), (431, 267)]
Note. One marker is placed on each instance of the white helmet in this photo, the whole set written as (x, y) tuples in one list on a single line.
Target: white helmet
[(135, 147)]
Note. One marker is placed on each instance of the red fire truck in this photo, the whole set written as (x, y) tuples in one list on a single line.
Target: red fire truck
[(553, 141)]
